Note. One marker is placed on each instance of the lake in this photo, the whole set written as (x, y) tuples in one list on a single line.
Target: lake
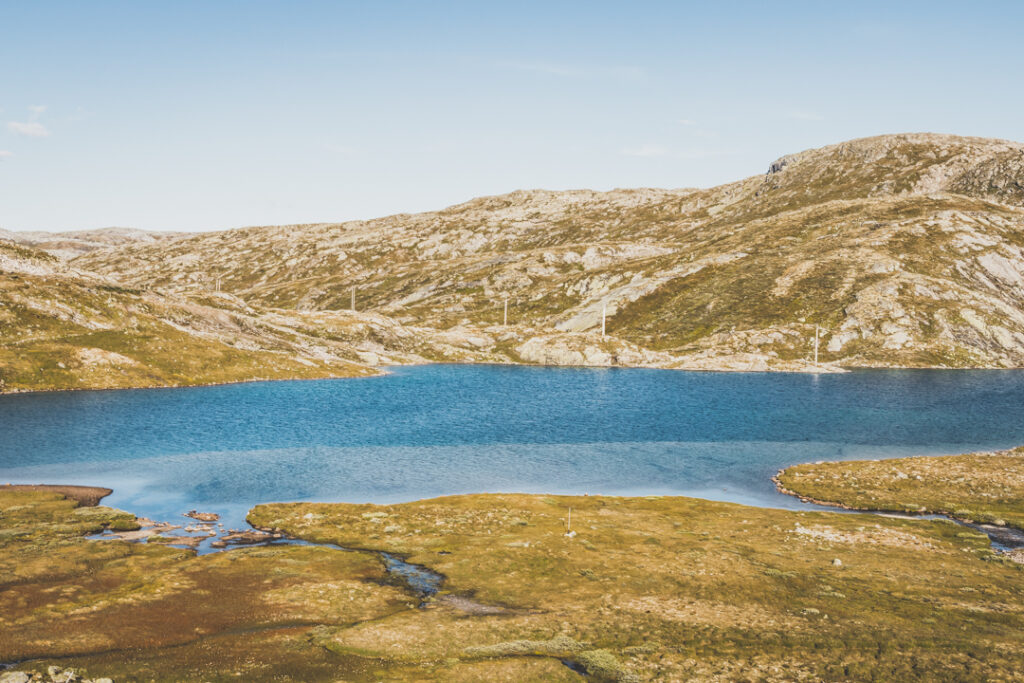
[(442, 429)]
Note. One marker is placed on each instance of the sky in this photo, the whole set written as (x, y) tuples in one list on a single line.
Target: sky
[(218, 114)]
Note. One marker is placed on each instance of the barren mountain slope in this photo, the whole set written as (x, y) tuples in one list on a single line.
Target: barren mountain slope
[(62, 328), (66, 329), (905, 249)]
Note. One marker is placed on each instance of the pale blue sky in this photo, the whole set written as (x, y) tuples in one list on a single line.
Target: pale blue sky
[(206, 115)]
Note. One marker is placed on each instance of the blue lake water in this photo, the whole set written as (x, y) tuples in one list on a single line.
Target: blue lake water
[(443, 429)]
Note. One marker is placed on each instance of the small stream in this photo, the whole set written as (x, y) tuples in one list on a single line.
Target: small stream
[(422, 581), (1003, 538), (417, 579)]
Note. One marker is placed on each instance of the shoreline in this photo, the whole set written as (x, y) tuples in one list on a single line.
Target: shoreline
[(90, 496), (945, 514), (86, 496), (69, 390), (380, 371)]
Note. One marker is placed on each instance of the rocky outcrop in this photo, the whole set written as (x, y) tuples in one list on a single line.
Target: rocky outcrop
[(779, 164), (588, 350)]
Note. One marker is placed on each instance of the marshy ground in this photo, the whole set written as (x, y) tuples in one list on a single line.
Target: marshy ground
[(656, 588)]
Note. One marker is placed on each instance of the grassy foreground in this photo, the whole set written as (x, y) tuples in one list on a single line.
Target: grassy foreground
[(646, 589), (980, 487)]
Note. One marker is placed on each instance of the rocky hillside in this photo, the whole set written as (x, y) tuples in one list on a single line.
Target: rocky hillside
[(64, 328), (904, 249), (75, 243), (61, 328)]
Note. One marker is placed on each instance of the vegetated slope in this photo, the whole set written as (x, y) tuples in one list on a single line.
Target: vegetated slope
[(66, 329), (905, 249)]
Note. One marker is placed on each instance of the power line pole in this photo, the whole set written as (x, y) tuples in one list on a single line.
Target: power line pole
[(506, 312), (604, 315), (353, 298)]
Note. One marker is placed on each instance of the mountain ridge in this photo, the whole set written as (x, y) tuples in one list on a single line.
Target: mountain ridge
[(902, 250), (70, 243)]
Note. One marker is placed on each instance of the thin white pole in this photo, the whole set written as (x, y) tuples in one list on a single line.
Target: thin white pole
[(353, 298), (816, 344), (568, 522), (604, 314), (506, 312)]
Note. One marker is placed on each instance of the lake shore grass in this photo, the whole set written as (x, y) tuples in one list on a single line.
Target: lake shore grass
[(641, 588), (984, 487)]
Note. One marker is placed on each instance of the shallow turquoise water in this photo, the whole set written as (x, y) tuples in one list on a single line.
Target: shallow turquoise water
[(443, 429)]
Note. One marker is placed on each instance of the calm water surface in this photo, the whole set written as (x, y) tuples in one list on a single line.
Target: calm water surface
[(443, 429)]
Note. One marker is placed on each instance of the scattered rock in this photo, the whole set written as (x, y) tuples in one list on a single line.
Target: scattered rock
[(14, 677), (248, 537)]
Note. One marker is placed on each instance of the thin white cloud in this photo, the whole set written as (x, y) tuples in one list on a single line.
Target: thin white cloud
[(647, 150), (654, 151), (704, 154), (37, 109), (804, 115), (343, 150), (31, 129), (876, 30), (704, 134), (544, 68), (79, 114), (624, 73), (5, 153)]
